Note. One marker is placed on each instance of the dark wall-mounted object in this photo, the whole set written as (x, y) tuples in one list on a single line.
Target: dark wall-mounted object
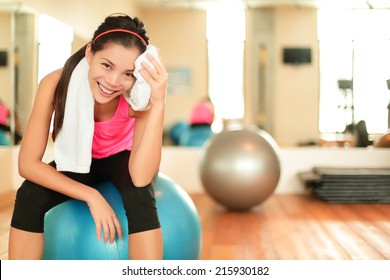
[(3, 58), (345, 84), (296, 56)]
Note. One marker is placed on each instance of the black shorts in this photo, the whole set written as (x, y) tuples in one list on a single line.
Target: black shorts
[(33, 201)]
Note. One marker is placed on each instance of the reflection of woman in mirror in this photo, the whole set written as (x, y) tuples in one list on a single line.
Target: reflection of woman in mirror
[(5, 128), (202, 113), (4, 125), (125, 145)]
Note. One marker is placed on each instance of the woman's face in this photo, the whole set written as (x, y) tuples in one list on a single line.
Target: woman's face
[(111, 71)]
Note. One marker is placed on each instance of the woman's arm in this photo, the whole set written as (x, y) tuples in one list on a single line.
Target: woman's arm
[(32, 168), (147, 143), (35, 141)]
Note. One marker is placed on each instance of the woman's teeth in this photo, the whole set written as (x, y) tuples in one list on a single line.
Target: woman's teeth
[(106, 91)]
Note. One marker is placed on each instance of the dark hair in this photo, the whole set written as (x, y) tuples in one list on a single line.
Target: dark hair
[(115, 21)]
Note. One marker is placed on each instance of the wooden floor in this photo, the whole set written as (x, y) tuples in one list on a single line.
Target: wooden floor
[(283, 227), (298, 227)]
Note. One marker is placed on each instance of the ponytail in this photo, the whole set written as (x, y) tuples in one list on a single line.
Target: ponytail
[(61, 90)]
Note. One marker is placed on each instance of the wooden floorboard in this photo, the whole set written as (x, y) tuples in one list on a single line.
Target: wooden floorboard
[(284, 227), (295, 227)]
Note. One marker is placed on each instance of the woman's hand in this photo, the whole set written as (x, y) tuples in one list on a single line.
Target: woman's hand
[(157, 78), (105, 218)]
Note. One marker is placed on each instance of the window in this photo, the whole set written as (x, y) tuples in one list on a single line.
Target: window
[(354, 46), (55, 44), (226, 35)]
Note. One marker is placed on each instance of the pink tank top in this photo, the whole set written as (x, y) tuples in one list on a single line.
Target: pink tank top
[(114, 135), (4, 112)]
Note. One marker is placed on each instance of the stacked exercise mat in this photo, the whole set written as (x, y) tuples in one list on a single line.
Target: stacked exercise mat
[(349, 185)]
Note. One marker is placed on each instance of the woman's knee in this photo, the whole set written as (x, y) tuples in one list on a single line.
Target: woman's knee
[(30, 193), (141, 210), (31, 204)]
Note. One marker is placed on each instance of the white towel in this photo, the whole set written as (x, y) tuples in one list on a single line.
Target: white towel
[(73, 145), (139, 95)]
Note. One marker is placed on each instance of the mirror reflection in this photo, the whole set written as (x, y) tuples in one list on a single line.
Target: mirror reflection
[(18, 27), (271, 93), (38, 44)]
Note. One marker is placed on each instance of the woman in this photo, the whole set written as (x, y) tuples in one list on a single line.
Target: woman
[(126, 144)]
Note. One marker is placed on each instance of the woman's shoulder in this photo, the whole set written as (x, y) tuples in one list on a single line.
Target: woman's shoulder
[(52, 77), (48, 84)]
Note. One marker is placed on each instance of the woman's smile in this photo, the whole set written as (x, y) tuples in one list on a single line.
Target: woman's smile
[(106, 91)]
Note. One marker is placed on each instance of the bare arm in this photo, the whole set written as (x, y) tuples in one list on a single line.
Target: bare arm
[(147, 144), (34, 144), (32, 168)]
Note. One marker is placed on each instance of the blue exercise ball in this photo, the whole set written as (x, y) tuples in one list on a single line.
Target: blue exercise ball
[(70, 230), (4, 140), (195, 136), (177, 130), (181, 228)]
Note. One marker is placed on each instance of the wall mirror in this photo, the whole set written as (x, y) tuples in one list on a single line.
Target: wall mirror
[(18, 74), (33, 45)]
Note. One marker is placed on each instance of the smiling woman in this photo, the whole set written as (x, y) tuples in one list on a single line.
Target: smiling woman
[(98, 136)]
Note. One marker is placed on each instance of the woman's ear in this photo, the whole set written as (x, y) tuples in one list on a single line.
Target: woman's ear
[(88, 53)]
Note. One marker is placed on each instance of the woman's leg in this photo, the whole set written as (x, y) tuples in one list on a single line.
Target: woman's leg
[(27, 224), (145, 237), (26, 239), (24, 245), (146, 245)]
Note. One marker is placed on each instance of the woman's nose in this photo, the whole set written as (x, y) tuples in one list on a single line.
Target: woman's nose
[(113, 79)]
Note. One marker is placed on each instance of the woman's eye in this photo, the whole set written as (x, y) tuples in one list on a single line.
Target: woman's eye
[(129, 75), (106, 65)]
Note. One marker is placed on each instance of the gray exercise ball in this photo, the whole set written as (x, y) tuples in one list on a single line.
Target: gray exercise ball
[(240, 168)]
